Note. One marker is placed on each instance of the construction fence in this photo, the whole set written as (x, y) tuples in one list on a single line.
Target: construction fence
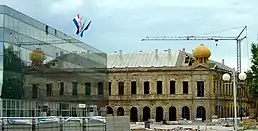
[(53, 123)]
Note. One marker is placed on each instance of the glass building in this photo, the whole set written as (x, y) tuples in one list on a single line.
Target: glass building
[(46, 72)]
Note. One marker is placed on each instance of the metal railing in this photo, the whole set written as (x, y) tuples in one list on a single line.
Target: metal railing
[(53, 123)]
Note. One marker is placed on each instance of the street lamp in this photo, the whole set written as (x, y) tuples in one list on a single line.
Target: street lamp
[(241, 77), (226, 77)]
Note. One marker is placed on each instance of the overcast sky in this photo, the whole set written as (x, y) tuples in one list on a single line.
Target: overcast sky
[(120, 24)]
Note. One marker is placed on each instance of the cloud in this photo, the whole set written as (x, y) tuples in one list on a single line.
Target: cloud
[(64, 6), (132, 4), (120, 24)]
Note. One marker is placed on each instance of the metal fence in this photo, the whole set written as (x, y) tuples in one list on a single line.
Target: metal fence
[(53, 124)]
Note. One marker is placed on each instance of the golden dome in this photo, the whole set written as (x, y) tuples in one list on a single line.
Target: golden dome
[(37, 55), (201, 51)]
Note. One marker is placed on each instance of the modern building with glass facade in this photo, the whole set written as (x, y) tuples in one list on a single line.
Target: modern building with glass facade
[(46, 72)]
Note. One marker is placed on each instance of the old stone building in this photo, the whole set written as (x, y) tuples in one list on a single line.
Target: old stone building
[(169, 85)]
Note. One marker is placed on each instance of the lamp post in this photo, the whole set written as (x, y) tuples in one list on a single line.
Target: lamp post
[(226, 77), (241, 77)]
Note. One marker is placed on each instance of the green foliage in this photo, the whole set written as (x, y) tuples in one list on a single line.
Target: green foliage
[(252, 75), (13, 78)]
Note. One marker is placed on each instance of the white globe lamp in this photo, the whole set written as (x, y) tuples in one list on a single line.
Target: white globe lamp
[(242, 76), (226, 77)]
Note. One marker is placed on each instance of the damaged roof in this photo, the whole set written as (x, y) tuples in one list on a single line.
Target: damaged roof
[(142, 59), (155, 58)]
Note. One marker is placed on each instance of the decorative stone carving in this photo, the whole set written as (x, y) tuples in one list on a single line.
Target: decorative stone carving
[(172, 78), (146, 79), (159, 78), (185, 77), (201, 78)]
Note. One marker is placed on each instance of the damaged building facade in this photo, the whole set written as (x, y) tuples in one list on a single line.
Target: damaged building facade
[(169, 85)]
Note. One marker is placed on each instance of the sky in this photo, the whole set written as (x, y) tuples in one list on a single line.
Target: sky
[(120, 24)]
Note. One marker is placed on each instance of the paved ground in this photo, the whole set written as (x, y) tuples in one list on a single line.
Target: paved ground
[(202, 127)]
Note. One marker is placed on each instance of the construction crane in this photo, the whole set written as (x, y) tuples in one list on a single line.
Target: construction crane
[(238, 40)]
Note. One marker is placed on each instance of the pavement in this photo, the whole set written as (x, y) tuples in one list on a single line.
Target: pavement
[(202, 127)]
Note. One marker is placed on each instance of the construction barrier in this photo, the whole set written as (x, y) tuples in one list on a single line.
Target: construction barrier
[(249, 124)]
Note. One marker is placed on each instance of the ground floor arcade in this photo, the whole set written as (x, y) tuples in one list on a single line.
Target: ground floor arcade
[(161, 112)]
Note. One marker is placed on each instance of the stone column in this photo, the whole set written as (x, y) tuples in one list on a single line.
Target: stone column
[(179, 112), (127, 87), (114, 87), (140, 114), (153, 113), (153, 85), (179, 86), (166, 85), (165, 114), (140, 86)]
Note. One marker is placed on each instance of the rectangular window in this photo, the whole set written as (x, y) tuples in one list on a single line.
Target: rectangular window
[(223, 89), (75, 88), (146, 89), (200, 89), (220, 88), (109, 88), (46, 29), (226, 86), (232, 89), (214, 87), (49, 89), (34, 91), (185, 87), (133, 87), (172, 87), (87, 88), (61, 91), (100, 88), (159, 87), (121, 88)]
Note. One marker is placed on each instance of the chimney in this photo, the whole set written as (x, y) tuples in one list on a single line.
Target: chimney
[(120, 54), (223, 61), (169, 51)]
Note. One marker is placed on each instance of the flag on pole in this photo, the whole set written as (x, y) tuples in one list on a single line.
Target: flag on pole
[(77, 22), (86, 28)]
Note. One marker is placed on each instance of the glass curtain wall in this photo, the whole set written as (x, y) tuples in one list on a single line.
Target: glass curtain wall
[(46, 72)]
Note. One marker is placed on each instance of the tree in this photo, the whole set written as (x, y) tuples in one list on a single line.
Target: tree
[(13, 77), (252, 75)]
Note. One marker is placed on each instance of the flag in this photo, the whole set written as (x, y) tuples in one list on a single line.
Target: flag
[(77, 23), (86, 28)]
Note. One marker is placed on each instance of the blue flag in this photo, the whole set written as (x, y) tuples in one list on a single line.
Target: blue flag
[(86, 28)]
